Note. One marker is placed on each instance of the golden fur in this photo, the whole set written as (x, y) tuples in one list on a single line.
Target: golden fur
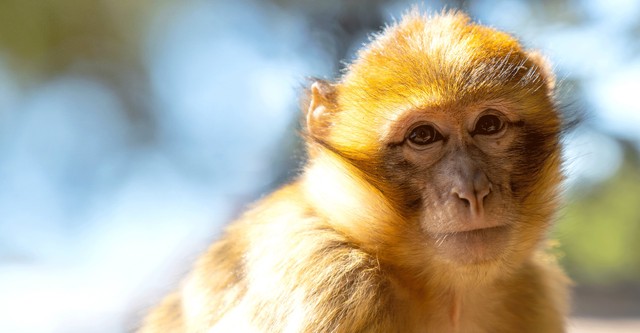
[(341, 249)]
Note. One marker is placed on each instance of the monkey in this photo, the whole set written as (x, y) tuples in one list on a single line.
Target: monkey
[(433, 175)]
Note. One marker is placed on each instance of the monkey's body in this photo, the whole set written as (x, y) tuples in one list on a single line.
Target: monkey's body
[(310, 278), (432, 178)]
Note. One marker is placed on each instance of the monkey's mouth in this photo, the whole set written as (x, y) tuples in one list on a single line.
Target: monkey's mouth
[(472, 246), (480, 232)]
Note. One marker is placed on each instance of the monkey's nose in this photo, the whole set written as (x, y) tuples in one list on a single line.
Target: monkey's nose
[(472, 193)]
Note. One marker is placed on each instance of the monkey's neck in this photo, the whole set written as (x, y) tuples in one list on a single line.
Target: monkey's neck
[(453, 305), (462, 309)]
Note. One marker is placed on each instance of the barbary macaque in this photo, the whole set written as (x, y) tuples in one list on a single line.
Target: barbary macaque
[(432, 179)]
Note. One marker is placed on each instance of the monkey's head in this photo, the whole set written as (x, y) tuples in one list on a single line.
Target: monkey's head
[(443, 142)]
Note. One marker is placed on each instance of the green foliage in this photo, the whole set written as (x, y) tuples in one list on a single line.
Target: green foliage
[(599, 230)]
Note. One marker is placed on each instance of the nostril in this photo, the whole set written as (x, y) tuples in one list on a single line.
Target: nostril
[(483, 193), (464, 198)]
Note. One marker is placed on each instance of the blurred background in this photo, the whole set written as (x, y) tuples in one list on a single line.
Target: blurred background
[(132, 131)]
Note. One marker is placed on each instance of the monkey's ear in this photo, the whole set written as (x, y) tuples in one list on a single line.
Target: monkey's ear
[(545, 68), (321, 98)]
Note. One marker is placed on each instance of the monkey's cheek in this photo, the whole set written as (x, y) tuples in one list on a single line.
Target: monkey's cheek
[(472, 247)]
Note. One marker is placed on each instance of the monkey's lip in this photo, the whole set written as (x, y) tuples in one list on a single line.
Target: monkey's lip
[(472, 232)]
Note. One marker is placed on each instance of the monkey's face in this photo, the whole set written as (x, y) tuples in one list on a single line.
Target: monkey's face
[(456, 168)]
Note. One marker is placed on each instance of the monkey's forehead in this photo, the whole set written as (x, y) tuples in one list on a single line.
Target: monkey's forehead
[(443, 56)]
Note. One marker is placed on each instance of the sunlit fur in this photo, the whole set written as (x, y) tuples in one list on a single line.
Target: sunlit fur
[(343, 248)]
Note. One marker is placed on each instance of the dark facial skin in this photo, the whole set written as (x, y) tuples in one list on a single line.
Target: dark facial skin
[(455, 168)]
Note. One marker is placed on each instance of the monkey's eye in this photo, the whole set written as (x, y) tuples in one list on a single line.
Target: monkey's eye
[(488, 124), (424, 135)]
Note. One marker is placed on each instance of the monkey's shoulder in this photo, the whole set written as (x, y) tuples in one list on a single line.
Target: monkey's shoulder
[(282, 265)]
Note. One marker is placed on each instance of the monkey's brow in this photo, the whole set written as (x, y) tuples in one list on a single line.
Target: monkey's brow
[(392, 145)]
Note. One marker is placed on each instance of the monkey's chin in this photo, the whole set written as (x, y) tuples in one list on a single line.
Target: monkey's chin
[(477, 246)]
